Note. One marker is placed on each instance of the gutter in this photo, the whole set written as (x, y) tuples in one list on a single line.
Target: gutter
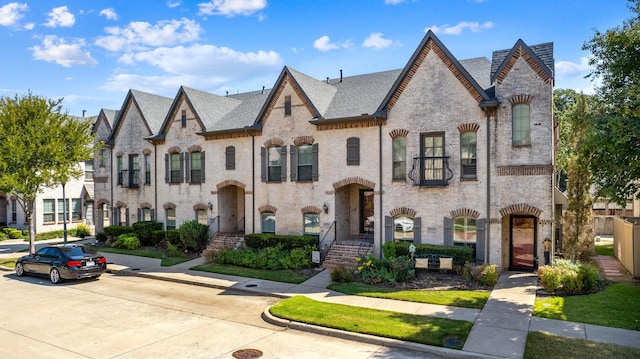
[(486, 106)]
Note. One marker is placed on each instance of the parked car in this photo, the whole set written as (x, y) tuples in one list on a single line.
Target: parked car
[(66, 262)]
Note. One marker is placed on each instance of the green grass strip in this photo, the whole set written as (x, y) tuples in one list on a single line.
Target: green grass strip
[(382, 323), (544, 346), (456, 298), (617, 306), (283, 275), (606, 250)]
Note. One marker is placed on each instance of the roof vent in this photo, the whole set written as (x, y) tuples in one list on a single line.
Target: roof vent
[(262, 89), (340, 75), (227, 94), (327, 79)]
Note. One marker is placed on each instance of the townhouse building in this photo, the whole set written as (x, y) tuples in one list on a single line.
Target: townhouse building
[(442, 151)]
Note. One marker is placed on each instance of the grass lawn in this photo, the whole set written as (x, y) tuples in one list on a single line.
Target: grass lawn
[(544, 346), (284, 275), (165, 261), (456, 298), (617, 306), (606, 250), (8, 262), (382, 323)]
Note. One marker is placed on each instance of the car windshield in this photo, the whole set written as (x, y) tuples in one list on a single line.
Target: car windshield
[(77, 251)]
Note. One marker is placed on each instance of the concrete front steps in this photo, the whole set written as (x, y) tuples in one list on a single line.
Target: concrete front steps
[(225, 241), (344, 253)]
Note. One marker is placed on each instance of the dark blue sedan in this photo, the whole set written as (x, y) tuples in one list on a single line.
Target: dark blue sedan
[(67, 262)]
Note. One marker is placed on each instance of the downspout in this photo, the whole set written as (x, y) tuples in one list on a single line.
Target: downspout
[(380, 221), (253, 178), (487, 223), (111, 204)]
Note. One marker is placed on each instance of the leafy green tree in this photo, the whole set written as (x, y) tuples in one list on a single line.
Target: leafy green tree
[(577, 218), (615, 142), (42, 147)]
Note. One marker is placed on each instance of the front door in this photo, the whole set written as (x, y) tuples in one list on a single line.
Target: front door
[(366, 211), (522, 248)]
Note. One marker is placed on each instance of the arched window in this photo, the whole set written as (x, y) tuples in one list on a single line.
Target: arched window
[(521, 125), (268, 220), (171, 219), (403, 228), (311, 223), (399, 145), (468, 141)]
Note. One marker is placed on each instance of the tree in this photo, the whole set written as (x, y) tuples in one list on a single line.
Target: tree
[(577, 219), (615, 141), (41, 148)]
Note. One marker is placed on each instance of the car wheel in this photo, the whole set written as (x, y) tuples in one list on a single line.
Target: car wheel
[(54, 275), (19, 269)]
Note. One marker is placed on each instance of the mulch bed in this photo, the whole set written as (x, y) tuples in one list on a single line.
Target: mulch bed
[(436, 280)]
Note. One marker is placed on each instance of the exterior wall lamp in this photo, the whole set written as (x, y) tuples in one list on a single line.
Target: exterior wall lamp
[(325, 208), (210, 206)]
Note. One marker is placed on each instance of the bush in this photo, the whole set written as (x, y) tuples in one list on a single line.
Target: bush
[(460, 254), (486, 274), (272, 258), (127, 241), (145, 231), (569, 277), (113, 232), (193, 235), (174, 251), (101, 237), (341, 274), (12, 233), (372, 270), (82, 230), (173, 236), (266, 240)]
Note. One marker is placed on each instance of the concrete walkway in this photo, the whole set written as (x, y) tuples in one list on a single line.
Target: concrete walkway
[(500, 328)]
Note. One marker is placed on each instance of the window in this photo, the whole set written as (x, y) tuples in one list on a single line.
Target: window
[(14, 211), (433, 160), (171, 218), (403, 228), (287, 105), (305, 164), (201, 216), (268, 220), (146, 215), (48, 214), (105, 211), (88, 170), (120, 170), (521, 128), (399, 145), (312, 224), (274, 161), (230, 158), (183, 118), (353, 151), (175, 168), (464, 230), (102, 157), (62, 209), (196, 167), (76, 209), (468, 142), (147, 169), (134, 171)]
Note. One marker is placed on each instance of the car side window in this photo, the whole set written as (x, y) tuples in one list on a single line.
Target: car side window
[(42, 252)]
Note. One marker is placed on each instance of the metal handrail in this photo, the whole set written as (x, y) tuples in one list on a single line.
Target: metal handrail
[(237, 226), (431, 171), (366, 245), (324, 247)]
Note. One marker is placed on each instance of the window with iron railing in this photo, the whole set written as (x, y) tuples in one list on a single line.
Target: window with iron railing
[(431, 168)]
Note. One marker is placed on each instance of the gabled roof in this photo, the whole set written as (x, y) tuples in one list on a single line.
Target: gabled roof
[(105, 116), (153, 109), (245, 114), (429, 43), (207, 107), (539, 57)]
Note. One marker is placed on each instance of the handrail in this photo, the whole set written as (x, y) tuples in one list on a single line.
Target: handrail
[(324, 247), (217, 229), (366, 245), (237, 226)]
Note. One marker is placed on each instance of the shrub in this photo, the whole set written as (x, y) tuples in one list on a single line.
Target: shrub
[(82, 230), (386, 270), (265, 240), (173, 236), (145, 231), (113, 232), (174, 251), (193, 235), (486, 274), (341, 274), (127, 241), (569, 277), (101, 237), (272, 258), (13, 233), (460, 254)]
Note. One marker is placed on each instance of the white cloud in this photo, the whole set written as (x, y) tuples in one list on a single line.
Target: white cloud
[(109, 13), (29, 26), (173, 4), (324, 44), (457, 29), (206, 60), (11, 13), (60, 16), (376, 41), (393, 2), (231, 7), (138, 35), (568, 68), (57, 50)]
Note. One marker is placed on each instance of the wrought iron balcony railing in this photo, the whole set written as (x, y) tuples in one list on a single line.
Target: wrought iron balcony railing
[(430, 171)]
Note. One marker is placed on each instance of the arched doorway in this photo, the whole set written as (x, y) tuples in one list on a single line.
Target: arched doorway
[(231, 207)]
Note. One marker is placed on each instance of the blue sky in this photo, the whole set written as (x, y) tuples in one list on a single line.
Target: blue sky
[(90, 52)]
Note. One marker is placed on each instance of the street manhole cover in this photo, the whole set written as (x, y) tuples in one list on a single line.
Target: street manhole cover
[(251, 285), (452, 341), (247, 354)]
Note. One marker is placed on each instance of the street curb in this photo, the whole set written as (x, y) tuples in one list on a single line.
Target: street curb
[(369, 339)]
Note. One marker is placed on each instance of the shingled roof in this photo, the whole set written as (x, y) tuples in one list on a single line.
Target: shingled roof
[(543, 55)]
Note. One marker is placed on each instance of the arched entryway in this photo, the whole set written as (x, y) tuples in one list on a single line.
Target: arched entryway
[(520, 237), (231, 207), (355, 209)]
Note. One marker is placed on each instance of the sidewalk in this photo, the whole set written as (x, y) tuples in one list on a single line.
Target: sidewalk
[(500, 328)]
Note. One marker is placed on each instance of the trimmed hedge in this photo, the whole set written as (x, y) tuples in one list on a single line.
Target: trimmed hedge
[(113, 232), (288, 242), (145, 230), (460, 254)]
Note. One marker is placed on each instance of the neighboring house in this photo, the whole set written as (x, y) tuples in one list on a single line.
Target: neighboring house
[(102, 169), (442, 151), (48, 214)]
